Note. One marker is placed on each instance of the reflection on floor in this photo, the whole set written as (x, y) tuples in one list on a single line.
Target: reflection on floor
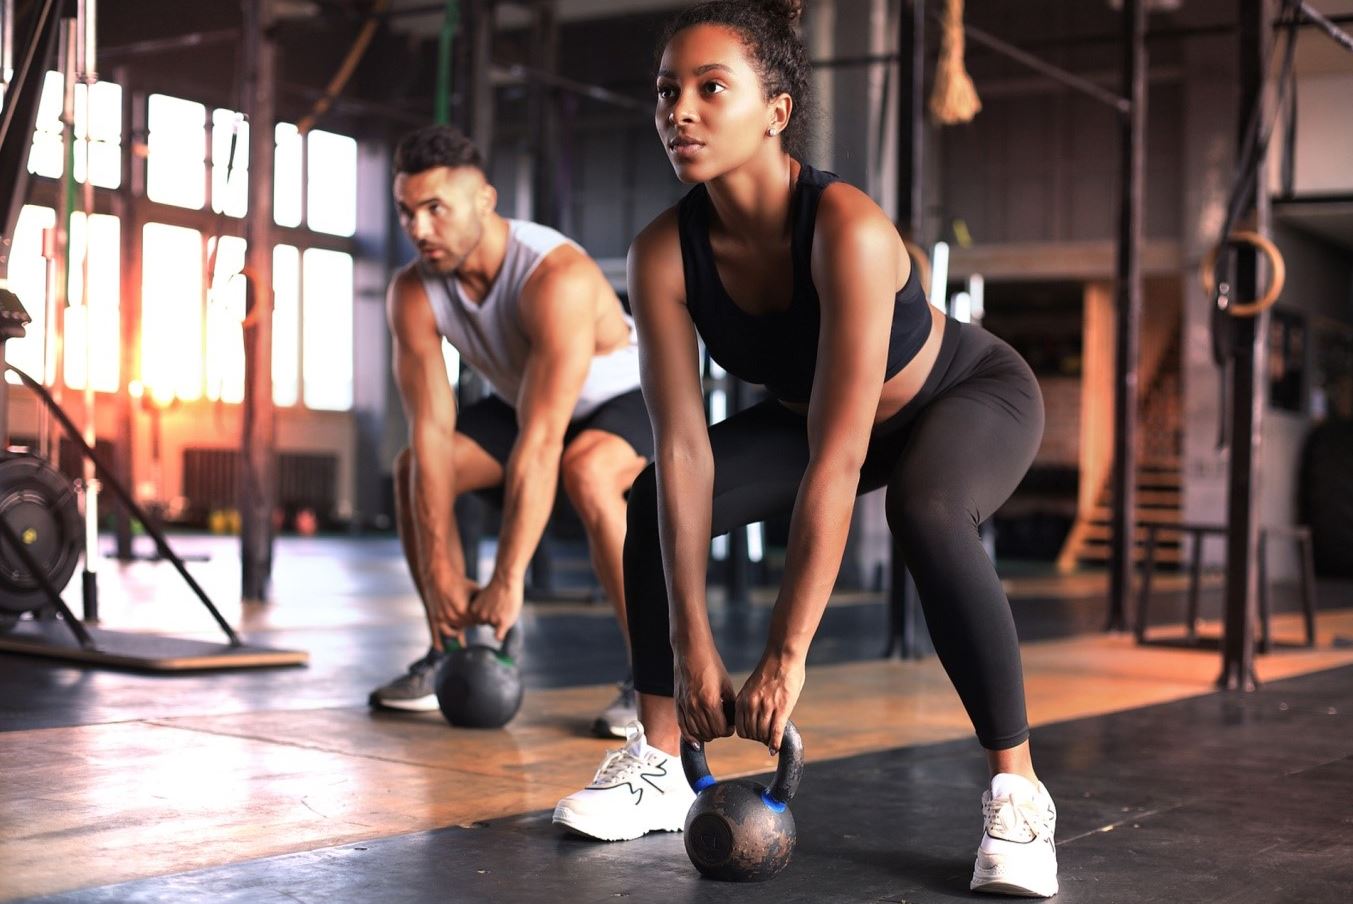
[(112, 777)]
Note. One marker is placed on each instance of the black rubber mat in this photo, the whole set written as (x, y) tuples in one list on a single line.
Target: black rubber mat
[(1224, 797)]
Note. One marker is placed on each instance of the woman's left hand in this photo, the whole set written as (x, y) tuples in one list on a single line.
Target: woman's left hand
[(767, 699)]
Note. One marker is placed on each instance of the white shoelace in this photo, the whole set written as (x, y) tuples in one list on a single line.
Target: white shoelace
[(1014, 820), (618, 766)]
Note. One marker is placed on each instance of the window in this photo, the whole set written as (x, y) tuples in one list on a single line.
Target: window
[(229, 163), (47, 157), (105, 269), (171, 312), (225, 314), (176, 161), (28, 280), (286, 325), (315, 181), (326, 329), (331, 179), (288, 178)]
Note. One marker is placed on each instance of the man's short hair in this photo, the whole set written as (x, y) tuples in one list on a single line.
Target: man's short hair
[(434, 146)]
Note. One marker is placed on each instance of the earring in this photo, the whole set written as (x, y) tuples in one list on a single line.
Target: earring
[(772, 131)]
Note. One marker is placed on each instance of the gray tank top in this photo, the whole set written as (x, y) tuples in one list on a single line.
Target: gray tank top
[(489, 335)]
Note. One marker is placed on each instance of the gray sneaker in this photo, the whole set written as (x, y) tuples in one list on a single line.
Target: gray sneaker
[(415, 690), (615, 718)]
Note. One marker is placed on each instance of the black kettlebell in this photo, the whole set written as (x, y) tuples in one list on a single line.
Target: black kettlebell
[(738, 830), (478, 685)]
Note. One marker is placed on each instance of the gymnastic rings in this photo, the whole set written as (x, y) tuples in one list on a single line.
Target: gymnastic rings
[(1275, 262)]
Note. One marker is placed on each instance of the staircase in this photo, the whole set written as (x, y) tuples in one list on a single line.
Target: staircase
[(1159, 491)]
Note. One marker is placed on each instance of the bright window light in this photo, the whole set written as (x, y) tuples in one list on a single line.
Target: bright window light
[(286, 325), (105, 274), (28, 280), (47, 157), (326, 329), (230, 197), (225, 312), (288, 177), (176, 164), (171, 311), (331, 179)]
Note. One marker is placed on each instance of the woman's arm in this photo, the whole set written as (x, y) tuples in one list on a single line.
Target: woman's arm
[(854, 267), (669, 371)]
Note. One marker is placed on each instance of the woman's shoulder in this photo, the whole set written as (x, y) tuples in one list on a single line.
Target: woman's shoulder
[(662, 234), (845, 213), (655, 254)]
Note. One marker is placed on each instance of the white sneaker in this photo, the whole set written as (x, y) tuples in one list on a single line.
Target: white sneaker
[(638, 789), (1017, 855)]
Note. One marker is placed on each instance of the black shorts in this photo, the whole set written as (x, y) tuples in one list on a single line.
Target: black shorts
[(492, 424)]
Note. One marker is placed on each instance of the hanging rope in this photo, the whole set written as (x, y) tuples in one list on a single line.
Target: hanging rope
[(348, 67), (953, 99)]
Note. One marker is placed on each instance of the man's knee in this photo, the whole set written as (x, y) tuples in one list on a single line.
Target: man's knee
[(590, 481), (403, 465)]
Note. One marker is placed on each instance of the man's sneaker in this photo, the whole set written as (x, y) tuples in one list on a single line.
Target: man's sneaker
[(615, 718), (415, 690), (1017, 855), (638, 789)]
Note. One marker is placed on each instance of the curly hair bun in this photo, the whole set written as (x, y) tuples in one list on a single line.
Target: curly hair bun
[(788, 10)]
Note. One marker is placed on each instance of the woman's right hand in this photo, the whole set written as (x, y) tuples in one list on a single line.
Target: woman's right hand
[(704, 695)]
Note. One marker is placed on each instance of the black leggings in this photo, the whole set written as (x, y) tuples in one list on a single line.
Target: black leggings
[(949, 459)]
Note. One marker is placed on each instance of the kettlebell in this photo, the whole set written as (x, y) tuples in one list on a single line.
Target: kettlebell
[(479, 685), (739, 830)]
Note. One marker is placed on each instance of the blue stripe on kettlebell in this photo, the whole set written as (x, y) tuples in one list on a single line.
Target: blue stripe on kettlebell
[(704, 782), (775, 805)]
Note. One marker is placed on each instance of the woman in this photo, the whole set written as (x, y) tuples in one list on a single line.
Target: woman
[(799, 282)]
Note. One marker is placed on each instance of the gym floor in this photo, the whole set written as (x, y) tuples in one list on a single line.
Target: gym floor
[(280, 784)]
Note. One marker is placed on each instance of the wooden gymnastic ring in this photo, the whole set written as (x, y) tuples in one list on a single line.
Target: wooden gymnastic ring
[(1275, 260)]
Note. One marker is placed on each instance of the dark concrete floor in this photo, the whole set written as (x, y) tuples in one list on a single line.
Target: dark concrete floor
[(1220, 798)]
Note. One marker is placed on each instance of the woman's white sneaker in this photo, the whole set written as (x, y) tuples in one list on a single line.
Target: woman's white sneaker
[(1017, 855), (638, 789)]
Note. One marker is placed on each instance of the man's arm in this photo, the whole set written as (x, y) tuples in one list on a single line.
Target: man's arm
[(558, 315), (430, 408)]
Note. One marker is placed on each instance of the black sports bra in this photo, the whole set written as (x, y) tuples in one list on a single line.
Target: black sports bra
[(779, 350)]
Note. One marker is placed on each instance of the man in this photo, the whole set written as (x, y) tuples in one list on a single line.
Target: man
[(533, 314)]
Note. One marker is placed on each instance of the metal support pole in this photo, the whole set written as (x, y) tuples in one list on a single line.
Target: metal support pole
[(478, 90), (6, 47), (911, 120), (441, 104), (1129, 312), (87, 26), (543, 115), (1247, 396), (258, 453), (124, 204)]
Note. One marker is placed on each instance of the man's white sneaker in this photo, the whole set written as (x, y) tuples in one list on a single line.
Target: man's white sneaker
[(1017, 855), (615, 719), (638, 789)]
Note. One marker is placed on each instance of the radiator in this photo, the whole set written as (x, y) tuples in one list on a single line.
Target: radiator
[(304, 480)]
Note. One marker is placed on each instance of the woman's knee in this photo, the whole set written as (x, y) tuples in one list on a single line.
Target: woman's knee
[(924, 515)]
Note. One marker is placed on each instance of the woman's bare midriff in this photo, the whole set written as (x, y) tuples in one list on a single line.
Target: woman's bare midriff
[(907, 382)]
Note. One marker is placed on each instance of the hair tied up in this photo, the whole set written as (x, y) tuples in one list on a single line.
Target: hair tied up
[(790, 11)]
